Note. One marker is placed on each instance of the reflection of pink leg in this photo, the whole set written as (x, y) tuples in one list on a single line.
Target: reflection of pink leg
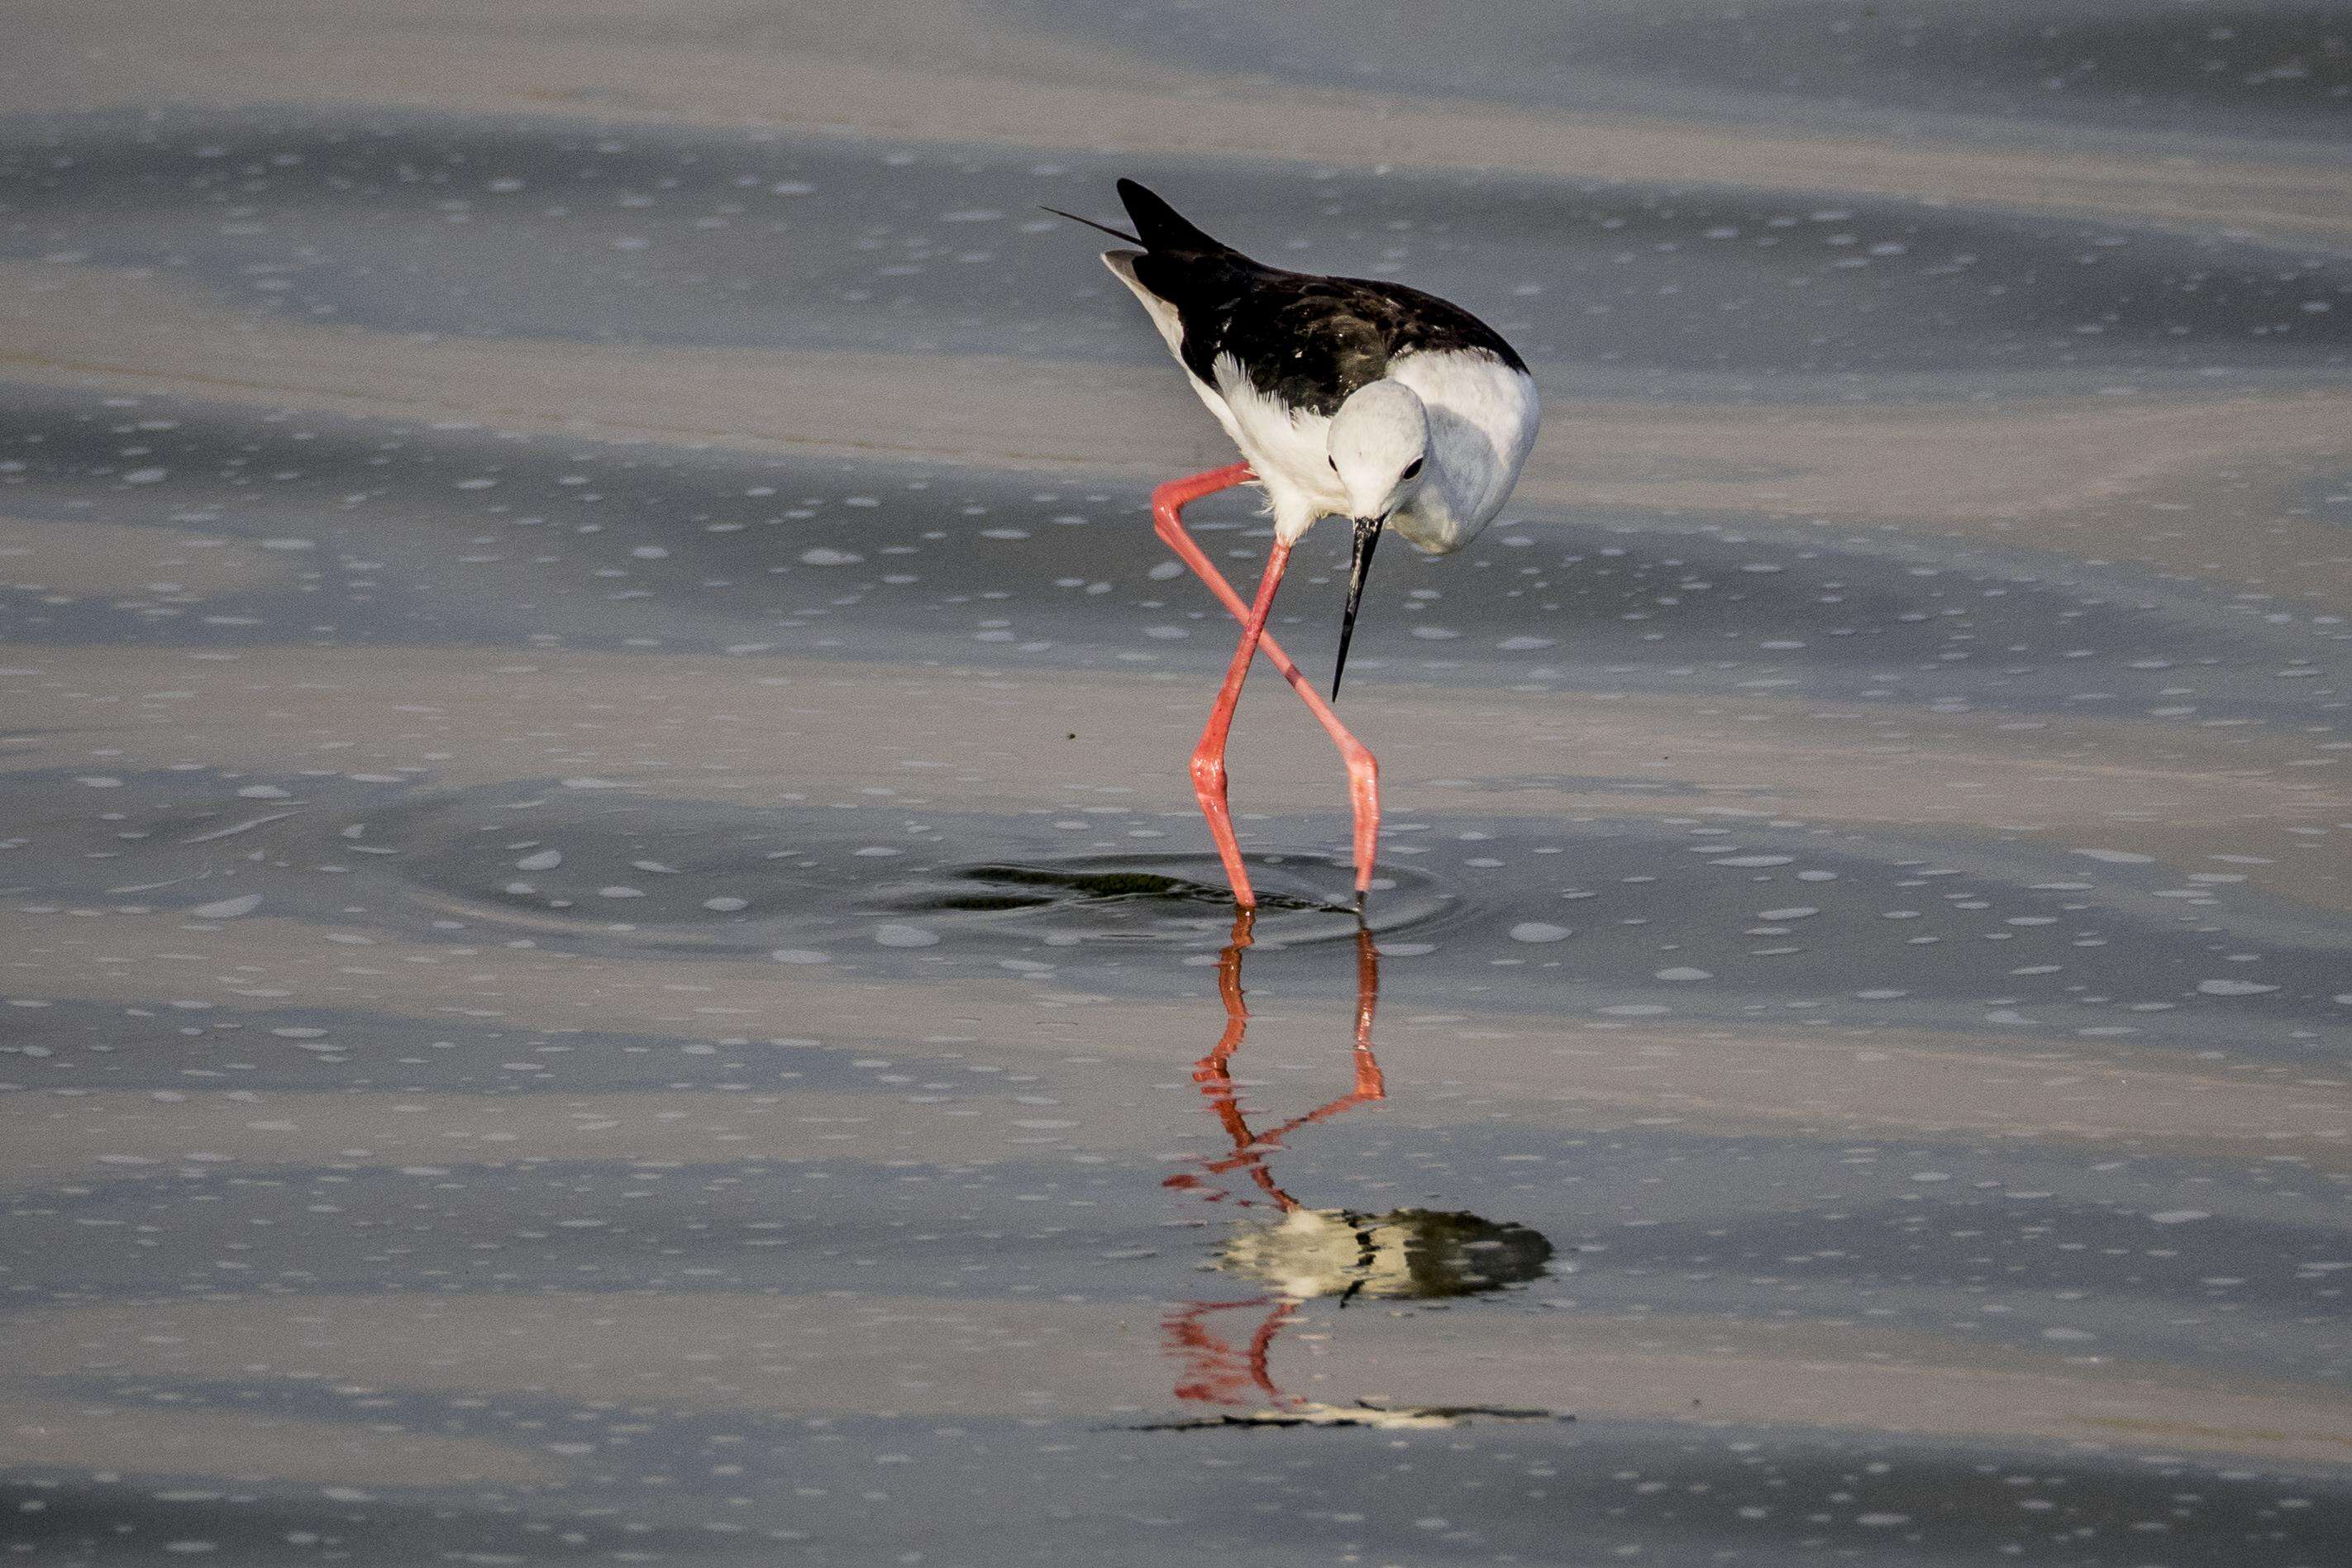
[(1262, 1347), (1167, 502), (1214, 1071), (1229, 990), (1370, 1085), (1213, 1370)]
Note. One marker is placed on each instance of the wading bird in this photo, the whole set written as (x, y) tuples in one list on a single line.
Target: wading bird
[(1349, 397)]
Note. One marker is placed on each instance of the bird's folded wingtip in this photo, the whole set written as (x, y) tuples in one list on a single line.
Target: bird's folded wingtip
[(1161, 225)]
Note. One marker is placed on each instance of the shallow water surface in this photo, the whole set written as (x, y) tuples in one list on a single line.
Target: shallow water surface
[(608, 957)]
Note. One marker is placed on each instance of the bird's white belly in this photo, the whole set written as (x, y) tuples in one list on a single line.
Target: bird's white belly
[(1287, 448)]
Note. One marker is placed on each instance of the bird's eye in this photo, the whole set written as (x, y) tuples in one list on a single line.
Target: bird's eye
[(1413, 468), (1335, 464)]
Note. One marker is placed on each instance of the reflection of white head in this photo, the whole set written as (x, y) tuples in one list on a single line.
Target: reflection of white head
[(1320, 1253), (1379, 444), (1411, 1252)]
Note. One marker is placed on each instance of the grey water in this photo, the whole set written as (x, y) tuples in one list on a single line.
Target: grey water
[(580, 997)]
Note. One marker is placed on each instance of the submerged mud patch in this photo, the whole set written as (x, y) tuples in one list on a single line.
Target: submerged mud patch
[(1183, 898)]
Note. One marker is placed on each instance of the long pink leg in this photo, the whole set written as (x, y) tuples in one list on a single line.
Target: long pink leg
[(1167, 502), (1209, 757)]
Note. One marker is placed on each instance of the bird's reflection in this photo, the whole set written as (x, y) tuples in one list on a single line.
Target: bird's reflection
[(1298, 1253)]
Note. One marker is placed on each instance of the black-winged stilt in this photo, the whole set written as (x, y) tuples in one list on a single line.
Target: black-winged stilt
[(1349, 397)]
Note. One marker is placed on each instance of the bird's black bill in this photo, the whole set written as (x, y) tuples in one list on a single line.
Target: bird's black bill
[(1359, 561)]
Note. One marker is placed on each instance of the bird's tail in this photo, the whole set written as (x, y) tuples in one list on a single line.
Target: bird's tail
[(1160, 226)]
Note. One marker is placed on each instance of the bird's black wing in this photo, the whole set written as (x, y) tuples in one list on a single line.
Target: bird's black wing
[(1305, 341), (1311, 341)]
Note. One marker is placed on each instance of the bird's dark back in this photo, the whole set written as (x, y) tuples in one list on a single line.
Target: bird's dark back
[(1306, 340)]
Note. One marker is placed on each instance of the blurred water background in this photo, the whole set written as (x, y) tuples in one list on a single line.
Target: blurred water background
[(607, 953)]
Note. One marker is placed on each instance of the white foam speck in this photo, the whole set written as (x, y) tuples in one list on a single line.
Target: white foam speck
[(228, 908), (2115, 857), (1538, 931), (545, 860), (905, 937), (2232, 987), (2179, 1216), (820, 555)]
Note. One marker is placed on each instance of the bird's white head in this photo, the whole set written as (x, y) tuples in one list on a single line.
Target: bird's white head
[(1378, 446)]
